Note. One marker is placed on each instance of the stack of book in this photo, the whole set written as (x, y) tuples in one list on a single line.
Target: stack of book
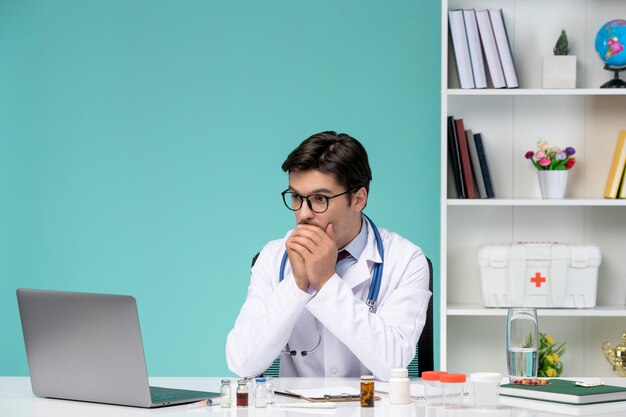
[(616, 181), (479, 36), (468, 159), (567, 397)]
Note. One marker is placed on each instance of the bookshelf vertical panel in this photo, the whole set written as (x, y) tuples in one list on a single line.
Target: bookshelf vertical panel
[(598, 13), (536, 33), (604, 118), (468, 228), (573, 332), (475, 348), (548, 224), (597, 331), (606, 227)]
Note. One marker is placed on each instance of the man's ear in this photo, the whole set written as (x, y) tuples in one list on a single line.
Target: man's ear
[(360, 198)]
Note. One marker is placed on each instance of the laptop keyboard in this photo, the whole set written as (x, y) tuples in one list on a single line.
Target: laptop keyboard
[(165, 395)]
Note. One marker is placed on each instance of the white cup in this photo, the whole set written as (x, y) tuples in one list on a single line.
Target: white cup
[(485, 389)]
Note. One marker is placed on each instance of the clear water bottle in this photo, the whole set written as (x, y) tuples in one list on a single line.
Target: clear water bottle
[(522, 343), (270, 390), (260, 393)]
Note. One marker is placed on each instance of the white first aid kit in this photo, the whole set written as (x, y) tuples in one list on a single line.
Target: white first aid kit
[(549, 275)]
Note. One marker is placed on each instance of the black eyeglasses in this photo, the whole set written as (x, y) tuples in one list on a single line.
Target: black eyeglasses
[(318, 203)]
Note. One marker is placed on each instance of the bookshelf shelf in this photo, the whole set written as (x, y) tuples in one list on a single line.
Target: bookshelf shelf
[(566, 202), (535, 92), (511, 121), (479, 310)]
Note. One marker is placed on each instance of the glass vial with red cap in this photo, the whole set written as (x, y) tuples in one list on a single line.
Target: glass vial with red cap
[(433, 392), (453, 387)]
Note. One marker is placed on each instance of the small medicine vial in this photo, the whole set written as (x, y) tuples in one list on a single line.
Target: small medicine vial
[(485, 389), (433, 392), (260, 393), (242, 393), (399, 386), (367, 391), (453, 385), (225, 394), (270, 390)]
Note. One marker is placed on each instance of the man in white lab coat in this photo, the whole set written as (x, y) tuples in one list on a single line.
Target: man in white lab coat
[(316, 318)]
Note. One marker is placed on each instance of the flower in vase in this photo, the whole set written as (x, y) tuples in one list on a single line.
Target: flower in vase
[(551, 158)]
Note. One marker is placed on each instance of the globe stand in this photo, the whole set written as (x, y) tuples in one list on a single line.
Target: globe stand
[(616, 82)]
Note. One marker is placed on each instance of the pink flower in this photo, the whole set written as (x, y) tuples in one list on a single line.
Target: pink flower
[(540, 154), (544, 162)]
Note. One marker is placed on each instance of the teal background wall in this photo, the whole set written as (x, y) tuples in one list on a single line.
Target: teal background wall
[(141, 143)]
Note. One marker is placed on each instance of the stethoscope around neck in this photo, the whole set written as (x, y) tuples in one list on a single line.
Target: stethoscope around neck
[(372, 296)]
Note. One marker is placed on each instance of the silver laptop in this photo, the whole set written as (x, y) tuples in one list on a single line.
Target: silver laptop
[(88, 347)]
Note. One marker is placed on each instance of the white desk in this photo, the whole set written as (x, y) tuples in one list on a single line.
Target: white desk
[(17, 400)]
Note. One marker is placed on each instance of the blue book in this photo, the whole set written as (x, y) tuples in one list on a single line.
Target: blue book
[(484, 165)]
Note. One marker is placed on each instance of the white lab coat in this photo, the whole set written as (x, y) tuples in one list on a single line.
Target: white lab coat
[(354, 341)]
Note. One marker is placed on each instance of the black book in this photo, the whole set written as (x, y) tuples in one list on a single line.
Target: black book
[(484, 165), (455, 159)]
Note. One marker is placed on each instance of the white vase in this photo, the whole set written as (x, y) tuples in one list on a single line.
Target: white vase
[(552, 183)]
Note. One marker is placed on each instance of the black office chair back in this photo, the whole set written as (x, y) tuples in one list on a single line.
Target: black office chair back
[(424, 356)]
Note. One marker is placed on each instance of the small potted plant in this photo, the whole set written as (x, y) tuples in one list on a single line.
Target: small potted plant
[(559, 70), (553, 164)]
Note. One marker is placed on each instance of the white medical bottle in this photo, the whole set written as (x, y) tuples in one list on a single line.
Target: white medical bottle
[(260, 393), (399, 386)]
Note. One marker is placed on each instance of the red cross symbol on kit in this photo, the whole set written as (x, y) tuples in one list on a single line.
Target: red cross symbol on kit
[(537, 279)]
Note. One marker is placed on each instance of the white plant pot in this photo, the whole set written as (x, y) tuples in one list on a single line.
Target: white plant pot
[(559, 71), (552, 183)]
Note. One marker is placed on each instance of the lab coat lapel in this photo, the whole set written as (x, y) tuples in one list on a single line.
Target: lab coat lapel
[(361, 271)]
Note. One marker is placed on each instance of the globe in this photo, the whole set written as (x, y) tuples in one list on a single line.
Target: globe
[(611, 42)]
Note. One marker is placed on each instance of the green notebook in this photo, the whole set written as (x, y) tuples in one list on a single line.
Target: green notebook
[(563, 391)]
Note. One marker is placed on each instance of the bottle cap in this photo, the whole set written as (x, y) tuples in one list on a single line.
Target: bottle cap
[(225, 381), (260, 380), (367, 377), (447, 378), (399, 373), (432, 375), (242, 381)]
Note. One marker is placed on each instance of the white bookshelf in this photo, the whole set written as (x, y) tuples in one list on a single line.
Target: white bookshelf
[(511, 120)]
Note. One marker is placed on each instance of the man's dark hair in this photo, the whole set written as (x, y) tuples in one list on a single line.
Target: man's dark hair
[(338, 155)]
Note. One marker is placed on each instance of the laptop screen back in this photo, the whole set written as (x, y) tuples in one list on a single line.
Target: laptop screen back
[(84, 346)]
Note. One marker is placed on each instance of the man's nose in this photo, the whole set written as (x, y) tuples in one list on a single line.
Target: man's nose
[(305, 213)]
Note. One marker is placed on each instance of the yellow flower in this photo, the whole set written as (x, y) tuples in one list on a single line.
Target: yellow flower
[(551, 372), (549, 339), (555, 357), (550, 359)]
